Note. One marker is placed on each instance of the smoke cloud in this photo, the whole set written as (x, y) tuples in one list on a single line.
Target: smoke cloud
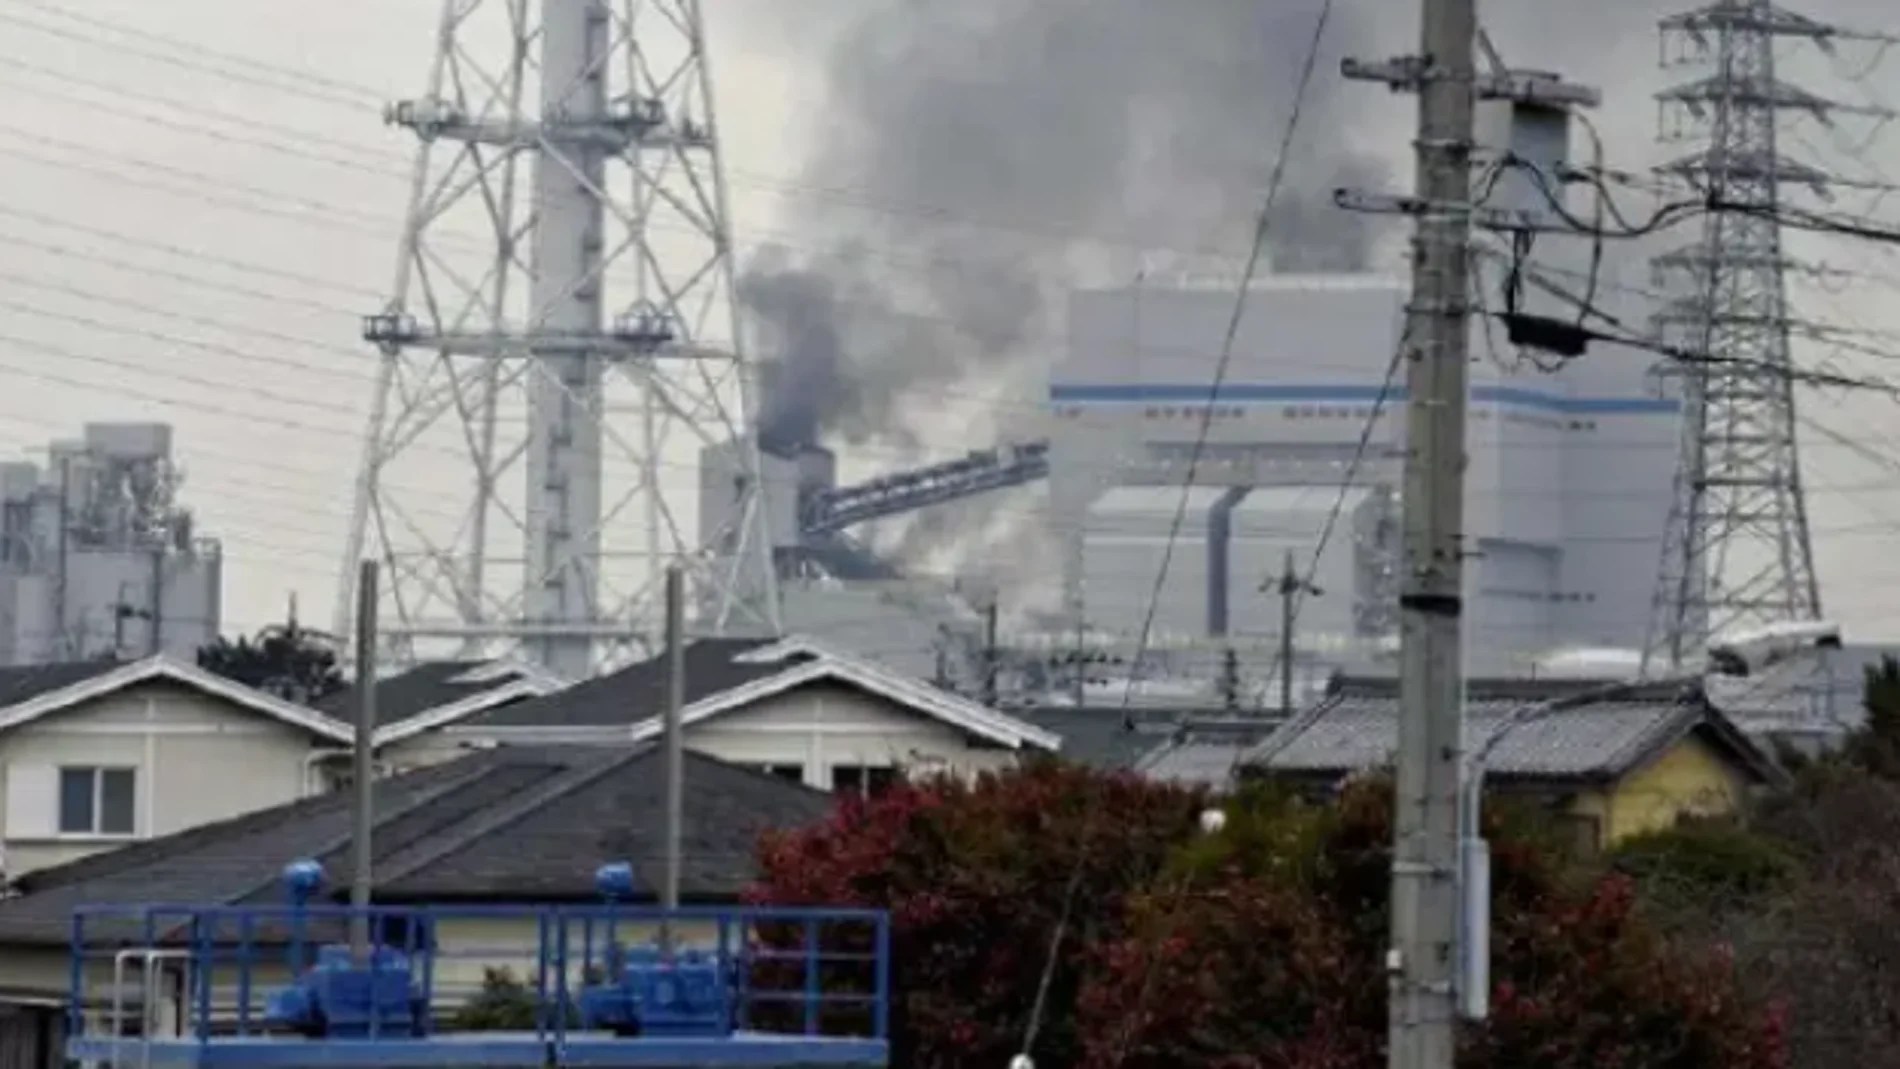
[(985, 156)]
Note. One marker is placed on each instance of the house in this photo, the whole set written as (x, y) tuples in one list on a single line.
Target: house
[(411, 704), (511, 825), (1611, 761), (97, 754), (792, 707)]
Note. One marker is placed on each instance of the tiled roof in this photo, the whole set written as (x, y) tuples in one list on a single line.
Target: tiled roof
[(1207, 754), (509, 824), (1580, 738), (636, 692), (21, 683), (1101, 736), (429, 685)]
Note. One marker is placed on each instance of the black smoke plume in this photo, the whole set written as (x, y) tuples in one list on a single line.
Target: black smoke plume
[(981, 154)]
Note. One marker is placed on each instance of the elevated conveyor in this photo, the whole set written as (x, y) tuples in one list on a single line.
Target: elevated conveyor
[(980, 472), (605, 985)]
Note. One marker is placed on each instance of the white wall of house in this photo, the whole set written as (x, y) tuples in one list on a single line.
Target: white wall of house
[(825, 734), (816, 733), (162, 758)]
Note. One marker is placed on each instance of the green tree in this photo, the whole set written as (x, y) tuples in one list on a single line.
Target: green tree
[(1704, 871), (1875, 747), (504, 1004)]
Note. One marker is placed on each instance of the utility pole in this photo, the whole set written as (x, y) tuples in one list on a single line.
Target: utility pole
[(156, 614), (1290, 587), (1435, 976), (989, 654), (61, 628), (1081, 660), (675, 748), (363, 763), (1422, 961)]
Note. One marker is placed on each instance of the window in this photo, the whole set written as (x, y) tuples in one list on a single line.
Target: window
[(96, 801), (863, 780)]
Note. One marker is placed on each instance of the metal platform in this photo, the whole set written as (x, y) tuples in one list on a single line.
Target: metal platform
[(174, 986), (481, 1049)]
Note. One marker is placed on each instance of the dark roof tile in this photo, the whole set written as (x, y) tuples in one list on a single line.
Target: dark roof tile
[(637, 692), (429, 685), (23, 683), (510, 823)]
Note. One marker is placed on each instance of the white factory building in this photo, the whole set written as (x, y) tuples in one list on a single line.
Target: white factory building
[(1569, 482), (97, 557)]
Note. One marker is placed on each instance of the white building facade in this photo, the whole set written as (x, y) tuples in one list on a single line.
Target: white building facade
[(1569, 480)]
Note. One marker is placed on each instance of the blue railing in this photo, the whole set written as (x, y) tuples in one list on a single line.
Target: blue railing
[(217, 974)]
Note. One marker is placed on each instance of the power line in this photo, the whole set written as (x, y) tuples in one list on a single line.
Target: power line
[(1260, 232)]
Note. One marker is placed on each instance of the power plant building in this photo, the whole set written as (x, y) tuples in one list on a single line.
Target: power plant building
[(1569, 481), (98, 558)]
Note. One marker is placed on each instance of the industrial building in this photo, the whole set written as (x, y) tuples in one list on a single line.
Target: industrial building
[(1570, 474), (97, 556)]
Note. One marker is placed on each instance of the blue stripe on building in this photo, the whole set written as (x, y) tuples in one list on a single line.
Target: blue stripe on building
[(1143, 393)]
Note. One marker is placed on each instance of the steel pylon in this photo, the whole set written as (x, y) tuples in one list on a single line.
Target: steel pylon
[(1738, 552), (559, 343)]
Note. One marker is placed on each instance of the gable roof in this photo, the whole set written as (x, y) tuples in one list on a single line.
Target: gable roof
[(803, 661), (432, 693), (625, 697), (30, 694), (724, 674), (1585, 737), (510, 824)]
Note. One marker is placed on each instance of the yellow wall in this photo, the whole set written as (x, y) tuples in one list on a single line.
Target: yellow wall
[(1688, 779)]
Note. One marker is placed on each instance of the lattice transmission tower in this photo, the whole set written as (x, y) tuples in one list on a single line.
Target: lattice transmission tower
[(1737, 553), (559, 342)]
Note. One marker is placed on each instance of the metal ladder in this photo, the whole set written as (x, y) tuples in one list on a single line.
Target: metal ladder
[(150, 959)]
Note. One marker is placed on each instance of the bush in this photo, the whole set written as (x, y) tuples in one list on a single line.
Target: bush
[(1259, 947), (1707, 866), (505, 1003)]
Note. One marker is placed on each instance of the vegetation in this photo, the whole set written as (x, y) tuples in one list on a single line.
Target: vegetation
[(289, 661), (1256, 946), (504, 1004)]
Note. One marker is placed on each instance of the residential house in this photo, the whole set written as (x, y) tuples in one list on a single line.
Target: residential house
[(508, 826), (1611, 761), (97, 754), (1112, 738), (411, 704), (791, 707)]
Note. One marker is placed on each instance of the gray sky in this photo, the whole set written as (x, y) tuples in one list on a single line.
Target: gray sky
[(148, 187)]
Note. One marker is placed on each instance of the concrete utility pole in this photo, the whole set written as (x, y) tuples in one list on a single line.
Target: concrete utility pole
[(362, 823), (675, 746), (1422, 962)]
